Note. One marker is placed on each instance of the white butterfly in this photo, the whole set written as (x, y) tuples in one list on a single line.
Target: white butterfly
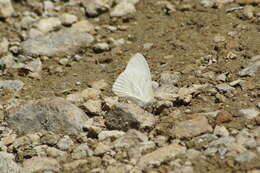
[(135, 82)]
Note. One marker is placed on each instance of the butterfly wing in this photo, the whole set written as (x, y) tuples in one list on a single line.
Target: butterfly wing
[(135, 82)]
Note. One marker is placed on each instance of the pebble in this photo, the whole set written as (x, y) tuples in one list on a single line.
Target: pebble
[(222, 77), (114, 134), (40, 164), (93, 107), (82, 151), (56, 153), (91, 93), (8, 165), (84, 26), (99, 85), (249, 113), (48, 24), (63, 42), (147, 46), (221, 131), (101, 47), (190, 128), (57, 114), (34, 65), (13, 85), (246, 156), (123, 8), (225, 88), (65, 143), (248, 11), (131, 116), (68, 19), (6, 8), (160, 155), (250, 70), (3, 46), (101, 149), (94, 8), (168, 78), (75, 97)]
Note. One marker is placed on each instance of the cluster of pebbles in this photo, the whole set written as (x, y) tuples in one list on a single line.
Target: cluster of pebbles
[(90, 131)]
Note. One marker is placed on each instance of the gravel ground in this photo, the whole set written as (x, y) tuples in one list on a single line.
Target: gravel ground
[(59, 60)]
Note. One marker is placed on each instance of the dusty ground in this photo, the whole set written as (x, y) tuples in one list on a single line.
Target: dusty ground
[(180, 40)]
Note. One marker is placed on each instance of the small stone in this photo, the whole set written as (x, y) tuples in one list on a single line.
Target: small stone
[(246, 156), (101, 149), (248, 11), (95, 7), (33, 33), (114, 134), (128, 116), (8, 164), (8, 139), (249, 113), (236, 82), (147, 46), (123, 8), (223, 117), (192, 154), (6, 8), (3, 46), (55, 153), (40, 164), (219, 38), (221, 131), (250, 70), (160, 155), (207, 3), (48, 24), (68, 19), (91, 93), (101, 47), (64, 61), (65, 143), (82, 151), (119, 42), (48, 6), (93, 107), (190, 128), (34, 65), (222, 77), (84, 26), (12, 85), (61, 43), (100, 84), (225, 88), (75, 97), (57, 114), (168, 78)]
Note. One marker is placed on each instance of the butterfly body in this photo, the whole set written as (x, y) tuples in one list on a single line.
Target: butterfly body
[(135, 82)]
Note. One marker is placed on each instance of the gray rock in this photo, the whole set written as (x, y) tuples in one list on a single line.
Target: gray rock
[(6, 8), (48, 24), (84, 26), (40, 164), (114, 134), (13, 85), (236, 82), (246, 156), (68, 19), (7, 164), (221, 131), (222, 77), (249, 113), (190, 128), (101, 47), (93, 107), (48, 114), (7, 61), (160, 155), (207, 3), (128, 116), (168, 78), (3, 46), (123, 8), (222, 141), (101, 149), (250, 70), (225, 88), (95, 7), (56, 153), (81, 151), (65, 143), (64, 42), (34, 65)]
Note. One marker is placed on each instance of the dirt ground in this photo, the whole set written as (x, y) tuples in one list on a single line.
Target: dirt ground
[(179, 41)]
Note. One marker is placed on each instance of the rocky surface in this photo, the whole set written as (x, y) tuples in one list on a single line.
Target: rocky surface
[(59, 59)]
